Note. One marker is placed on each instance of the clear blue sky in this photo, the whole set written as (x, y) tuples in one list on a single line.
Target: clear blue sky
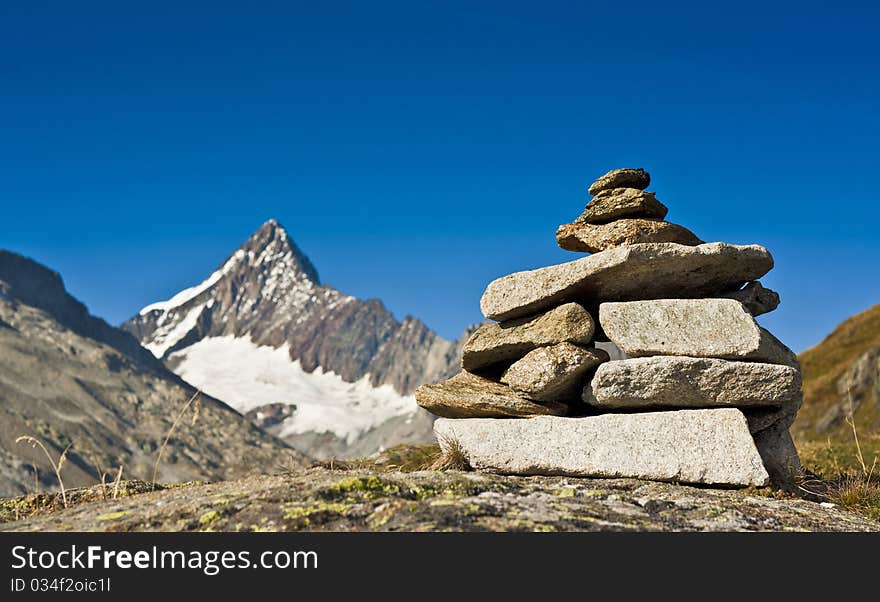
[(417, 150)]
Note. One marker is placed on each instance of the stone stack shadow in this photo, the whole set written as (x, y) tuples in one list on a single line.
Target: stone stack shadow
[(640, 360)]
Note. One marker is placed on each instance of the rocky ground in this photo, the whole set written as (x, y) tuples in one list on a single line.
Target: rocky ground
[(324, 499)]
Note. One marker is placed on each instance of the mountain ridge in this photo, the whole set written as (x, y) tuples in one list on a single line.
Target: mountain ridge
[(843, 367), (71, 378)]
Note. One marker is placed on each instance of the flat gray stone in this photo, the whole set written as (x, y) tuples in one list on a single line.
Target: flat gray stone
[(467, 395), (617, 203), (757, 299), (507, 342), (690, 382), (627, 273), (711, 447), (625, 177), (719, 328), (555, 373), (594, 238)]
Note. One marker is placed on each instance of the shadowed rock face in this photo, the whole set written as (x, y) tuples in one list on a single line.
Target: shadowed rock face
[(68, 377), (757, 299), (368, 500), (270, 291)]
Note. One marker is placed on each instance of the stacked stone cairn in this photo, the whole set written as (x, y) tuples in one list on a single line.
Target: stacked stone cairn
[(640, 360)]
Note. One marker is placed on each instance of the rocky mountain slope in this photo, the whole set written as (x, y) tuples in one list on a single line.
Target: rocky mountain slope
[(262, 330), (70, 378), (318, 499), (844, 366)]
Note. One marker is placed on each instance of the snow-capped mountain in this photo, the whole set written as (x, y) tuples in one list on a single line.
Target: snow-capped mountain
[(262, 330)]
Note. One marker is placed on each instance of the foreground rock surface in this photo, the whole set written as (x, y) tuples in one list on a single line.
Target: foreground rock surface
[(553, 373), (593, 238), (497, 343), (318, 499), (720, 328), (689, 382), (628, 273), (467, 395), (712, 447)]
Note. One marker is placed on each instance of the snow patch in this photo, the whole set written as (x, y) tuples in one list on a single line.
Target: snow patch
[(191, 293), (247, 376), (169, 333)]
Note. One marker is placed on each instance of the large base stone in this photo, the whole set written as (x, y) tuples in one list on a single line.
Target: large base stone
[(642, 271), (712, 447)]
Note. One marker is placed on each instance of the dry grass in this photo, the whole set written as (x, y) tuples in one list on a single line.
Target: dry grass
[(34, 504), (399, 458), (858, 494), (448, 455), (452, 456), (195, 399), (842, 475), (57, 465)]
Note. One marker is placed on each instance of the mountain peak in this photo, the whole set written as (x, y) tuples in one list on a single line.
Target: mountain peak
[(272, 242)]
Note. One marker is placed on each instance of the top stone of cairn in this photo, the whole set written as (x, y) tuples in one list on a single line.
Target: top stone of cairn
[(621, 178)]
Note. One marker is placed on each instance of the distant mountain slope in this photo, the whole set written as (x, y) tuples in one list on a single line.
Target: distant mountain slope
[(68, 377), (263, 330), (846, 362)]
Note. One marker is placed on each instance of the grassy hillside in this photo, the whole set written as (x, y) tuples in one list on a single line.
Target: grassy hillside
[(823, 365)]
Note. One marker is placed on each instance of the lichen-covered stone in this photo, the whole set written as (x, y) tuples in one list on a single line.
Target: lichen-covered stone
[(507, 342), (625, 177), (617, 203), (553, 373), (642, 271), (779, 454), (467, 395)]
